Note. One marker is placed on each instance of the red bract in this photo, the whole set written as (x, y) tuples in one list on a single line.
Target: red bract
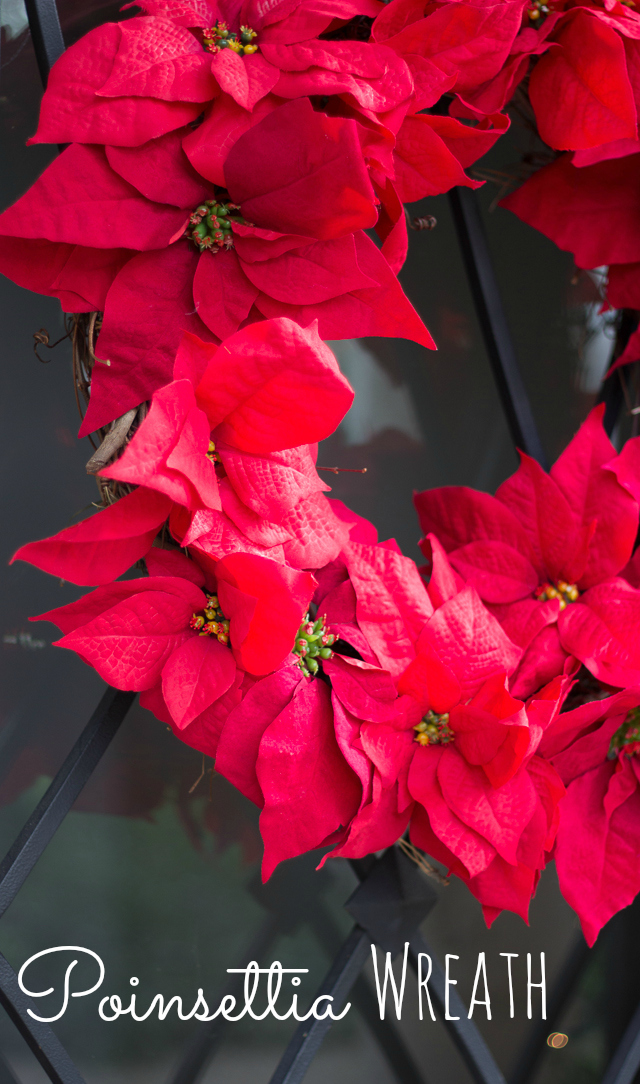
[(487, 807), (580, 89), (285, 749), (459, 45), (594, 748), (593, 212), (192, 637), (305, 535), (583, 87), (297, 748), (228, 436), (101, 548), (343, 760), (302, 259), (123, 84), (458, 649), (545, 553)]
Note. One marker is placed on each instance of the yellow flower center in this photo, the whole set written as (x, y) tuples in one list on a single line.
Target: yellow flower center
[(211, 452), (220, 37), (434, 729), (537, 10), (564, 592), (211, 621)]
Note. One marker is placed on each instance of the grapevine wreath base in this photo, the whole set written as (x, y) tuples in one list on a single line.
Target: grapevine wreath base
[(208, 227)]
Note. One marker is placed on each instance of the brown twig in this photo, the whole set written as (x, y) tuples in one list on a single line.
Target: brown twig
[(201, 776), (421, 862), (427, 222), (345, 470), (41, 338), (113, 442)]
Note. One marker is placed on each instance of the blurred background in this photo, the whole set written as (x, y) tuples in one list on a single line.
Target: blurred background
[(161, 878)]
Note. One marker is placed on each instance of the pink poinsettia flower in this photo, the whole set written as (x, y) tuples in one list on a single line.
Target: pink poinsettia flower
[(189, 638), (545, 554), (594, 749), (125, 83), (306, 257), (224, 440)]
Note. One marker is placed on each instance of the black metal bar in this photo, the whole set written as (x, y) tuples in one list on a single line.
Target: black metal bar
[(48, 43), (309, 1034), (207, 1040), (568, 978), (465, 1035), (493, 323), (626, 1060), (463, 1032), (384, 1032), (39, 1037), (62, 793)]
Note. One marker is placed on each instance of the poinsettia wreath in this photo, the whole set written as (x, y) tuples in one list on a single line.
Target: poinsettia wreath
[(206, 228)]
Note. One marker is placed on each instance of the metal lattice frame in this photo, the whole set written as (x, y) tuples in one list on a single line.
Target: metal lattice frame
[(392, 898)]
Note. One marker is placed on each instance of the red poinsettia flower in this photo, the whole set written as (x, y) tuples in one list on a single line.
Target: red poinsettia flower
[(461, 647), (103, 547), (594, 749), (187, 635), (545, 553), (226, 437), (456, 45), (486, 806), (305, 258), (592, 211), (125, 83), (353, 747), (292, 746), (264, 388), (582, 86), (430, 155)]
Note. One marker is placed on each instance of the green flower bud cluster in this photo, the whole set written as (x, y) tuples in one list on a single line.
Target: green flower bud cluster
[(627, 737), (313, 643), (210, 225), (220, 37), (434, 729)]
